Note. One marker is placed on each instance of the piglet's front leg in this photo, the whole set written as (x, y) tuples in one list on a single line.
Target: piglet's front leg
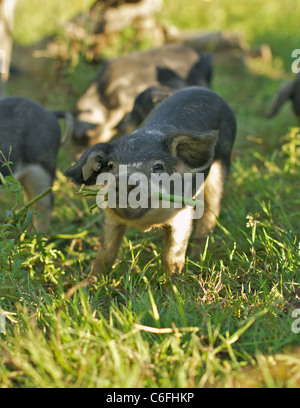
[(111, 238), (176, 238)]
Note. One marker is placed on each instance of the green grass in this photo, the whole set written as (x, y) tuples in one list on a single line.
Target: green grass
[(272, 22), (35, 19), (227, 320)]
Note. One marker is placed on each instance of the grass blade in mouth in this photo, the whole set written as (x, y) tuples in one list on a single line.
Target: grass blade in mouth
[(179, 199), (162, 196)]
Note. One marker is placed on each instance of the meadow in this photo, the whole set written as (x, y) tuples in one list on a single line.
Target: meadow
[(230, 319)]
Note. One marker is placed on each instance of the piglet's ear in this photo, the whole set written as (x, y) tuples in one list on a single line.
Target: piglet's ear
[(92, 165), (168, 77), (89, 165), (196, 150)]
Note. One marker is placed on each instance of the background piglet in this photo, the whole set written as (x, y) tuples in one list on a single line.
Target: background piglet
[(200, 74), (112, 93), (30, 137), (289, 91)]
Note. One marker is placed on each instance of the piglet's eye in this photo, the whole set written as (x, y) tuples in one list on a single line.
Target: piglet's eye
[(158, 168), (109, 166)]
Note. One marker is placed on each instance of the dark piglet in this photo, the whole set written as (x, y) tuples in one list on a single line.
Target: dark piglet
[(30, 137), (192, 131), (200, 74), (112, 93), (289, 92), (144, 103)]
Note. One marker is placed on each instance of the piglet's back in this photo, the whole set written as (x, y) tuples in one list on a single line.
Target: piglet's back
[(196, 109)]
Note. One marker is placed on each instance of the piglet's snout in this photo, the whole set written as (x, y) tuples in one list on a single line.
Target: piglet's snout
[(126, 182), (132, 191)]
